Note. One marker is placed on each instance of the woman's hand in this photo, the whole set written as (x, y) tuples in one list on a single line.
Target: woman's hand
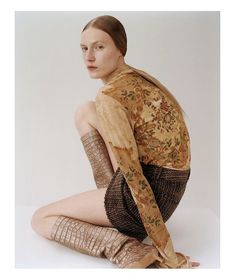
[(194, 264), (183, 263)]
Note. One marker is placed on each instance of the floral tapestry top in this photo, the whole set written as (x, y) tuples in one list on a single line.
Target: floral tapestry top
[(142, 123)]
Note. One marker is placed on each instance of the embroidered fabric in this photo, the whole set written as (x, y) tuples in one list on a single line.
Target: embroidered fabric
[(167, 185), (144, 123)]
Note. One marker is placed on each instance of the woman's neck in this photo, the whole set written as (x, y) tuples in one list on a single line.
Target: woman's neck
[(121, 65)]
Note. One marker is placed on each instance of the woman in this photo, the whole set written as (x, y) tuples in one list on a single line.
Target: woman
[(138, 145)]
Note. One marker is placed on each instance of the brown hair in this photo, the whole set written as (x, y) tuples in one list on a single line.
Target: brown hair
[(113, 27)]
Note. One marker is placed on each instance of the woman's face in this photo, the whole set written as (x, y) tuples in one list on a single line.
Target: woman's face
[(100, 54)]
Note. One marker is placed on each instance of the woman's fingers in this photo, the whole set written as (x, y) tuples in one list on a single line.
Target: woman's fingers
[(195, 264)]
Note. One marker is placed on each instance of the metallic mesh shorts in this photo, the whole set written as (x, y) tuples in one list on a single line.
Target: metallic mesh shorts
[(168, 187)]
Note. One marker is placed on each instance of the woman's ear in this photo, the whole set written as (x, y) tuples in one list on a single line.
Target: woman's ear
[(120, 54)]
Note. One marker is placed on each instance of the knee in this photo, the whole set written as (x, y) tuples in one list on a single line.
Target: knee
[(38, 223), (83, 112)]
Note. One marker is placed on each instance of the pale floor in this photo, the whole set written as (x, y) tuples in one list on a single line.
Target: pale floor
[(195, 232)]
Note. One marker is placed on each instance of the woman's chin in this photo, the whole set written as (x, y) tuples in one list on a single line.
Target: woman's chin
[(94, 76)]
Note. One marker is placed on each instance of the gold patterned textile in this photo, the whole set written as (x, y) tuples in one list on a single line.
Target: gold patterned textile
[(143, 124)]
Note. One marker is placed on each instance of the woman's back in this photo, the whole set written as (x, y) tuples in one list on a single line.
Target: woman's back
[(157, 122)]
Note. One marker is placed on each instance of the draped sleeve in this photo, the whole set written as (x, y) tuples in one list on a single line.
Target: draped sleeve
[(115, 121)]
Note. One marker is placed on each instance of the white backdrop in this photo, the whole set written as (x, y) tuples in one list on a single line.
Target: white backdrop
[(181, 49)]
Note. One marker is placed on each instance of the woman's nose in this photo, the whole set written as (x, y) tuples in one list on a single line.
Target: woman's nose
[(90, 55)]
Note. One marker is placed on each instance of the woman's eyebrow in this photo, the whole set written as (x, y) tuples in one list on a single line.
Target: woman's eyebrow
[(92, 43)]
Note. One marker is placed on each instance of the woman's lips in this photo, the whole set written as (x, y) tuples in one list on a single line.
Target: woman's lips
[(91, 68)]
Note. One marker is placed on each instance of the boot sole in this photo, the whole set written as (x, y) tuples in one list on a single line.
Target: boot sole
[(144, 262)]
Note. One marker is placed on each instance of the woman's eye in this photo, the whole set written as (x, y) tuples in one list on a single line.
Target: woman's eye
[(100, 47), (84, 49)]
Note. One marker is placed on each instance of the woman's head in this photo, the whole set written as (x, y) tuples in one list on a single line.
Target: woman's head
[(113, 27), (104, 45)]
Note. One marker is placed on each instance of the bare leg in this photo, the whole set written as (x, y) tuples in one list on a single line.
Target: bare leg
[(86, 120), (87, 207), (79, 222)]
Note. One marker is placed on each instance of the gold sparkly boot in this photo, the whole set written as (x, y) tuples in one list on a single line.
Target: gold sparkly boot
[(98, 156), (104, 242)]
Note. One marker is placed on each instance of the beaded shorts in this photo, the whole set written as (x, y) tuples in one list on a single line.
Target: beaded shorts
[(168, 187)]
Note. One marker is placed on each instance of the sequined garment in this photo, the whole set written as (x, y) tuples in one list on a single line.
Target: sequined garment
[(143, 124)]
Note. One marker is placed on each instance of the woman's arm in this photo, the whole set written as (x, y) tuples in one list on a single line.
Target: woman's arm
[(114, 120)]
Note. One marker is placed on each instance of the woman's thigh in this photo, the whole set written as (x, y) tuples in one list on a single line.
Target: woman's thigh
[(87, 207), (85, 119)]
